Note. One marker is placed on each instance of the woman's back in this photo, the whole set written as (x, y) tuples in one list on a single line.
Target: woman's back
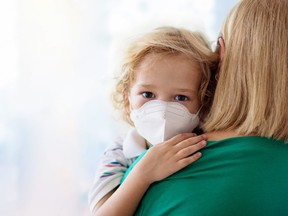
[(235, 176)]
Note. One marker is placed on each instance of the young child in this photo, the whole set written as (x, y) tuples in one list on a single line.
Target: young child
[(165, 89)]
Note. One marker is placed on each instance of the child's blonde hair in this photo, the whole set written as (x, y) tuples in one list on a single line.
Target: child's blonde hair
[(166, 41), (252, 91)]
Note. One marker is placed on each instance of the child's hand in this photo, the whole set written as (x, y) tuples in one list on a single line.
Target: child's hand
[(164, 159)]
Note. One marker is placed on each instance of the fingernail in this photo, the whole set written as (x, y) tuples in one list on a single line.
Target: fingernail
[(204, 136)]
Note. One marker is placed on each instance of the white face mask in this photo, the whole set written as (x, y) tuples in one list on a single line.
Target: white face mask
[(157, 120)]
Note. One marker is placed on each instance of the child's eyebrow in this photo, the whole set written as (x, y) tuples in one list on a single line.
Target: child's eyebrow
[(186, 90), (145, 85)]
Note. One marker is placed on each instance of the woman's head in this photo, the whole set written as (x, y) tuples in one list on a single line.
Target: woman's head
[(153, 49), (252, 91)]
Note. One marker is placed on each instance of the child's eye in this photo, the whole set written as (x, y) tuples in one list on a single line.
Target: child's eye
[(181, 98), (148, 95)]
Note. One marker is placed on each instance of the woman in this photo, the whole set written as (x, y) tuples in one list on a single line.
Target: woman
[(244, 167)]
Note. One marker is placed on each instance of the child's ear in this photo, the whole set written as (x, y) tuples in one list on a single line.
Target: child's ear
[(126, 98)]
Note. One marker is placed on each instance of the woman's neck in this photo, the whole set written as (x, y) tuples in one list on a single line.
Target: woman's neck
[(218, 135)]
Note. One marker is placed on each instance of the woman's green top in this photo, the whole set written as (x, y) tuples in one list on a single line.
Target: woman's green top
[(235, 176)]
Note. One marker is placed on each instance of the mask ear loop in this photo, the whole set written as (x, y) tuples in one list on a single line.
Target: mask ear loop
[(197, 113)]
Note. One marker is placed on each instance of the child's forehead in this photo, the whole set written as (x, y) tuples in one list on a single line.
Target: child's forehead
[(150, 60), (170, 68)]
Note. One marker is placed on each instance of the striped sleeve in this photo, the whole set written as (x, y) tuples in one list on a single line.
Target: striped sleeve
[(111, 169)]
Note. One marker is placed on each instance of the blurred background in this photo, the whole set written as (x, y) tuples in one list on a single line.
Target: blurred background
[(57, 63)]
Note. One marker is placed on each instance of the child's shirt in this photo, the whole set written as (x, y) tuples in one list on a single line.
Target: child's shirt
[(113, 164)]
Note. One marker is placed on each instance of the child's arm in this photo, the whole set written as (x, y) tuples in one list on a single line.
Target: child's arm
[(110, 171), (103, 200), (159, 162)]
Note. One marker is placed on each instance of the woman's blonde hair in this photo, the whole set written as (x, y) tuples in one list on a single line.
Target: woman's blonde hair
[(252, 91), (166, 41)]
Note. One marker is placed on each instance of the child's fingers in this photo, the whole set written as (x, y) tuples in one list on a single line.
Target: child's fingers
[(191, 141), (189, 150), (180, 137), (188, 160)]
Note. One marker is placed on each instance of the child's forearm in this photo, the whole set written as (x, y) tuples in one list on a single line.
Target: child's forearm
[(125, 199), (102, 201)]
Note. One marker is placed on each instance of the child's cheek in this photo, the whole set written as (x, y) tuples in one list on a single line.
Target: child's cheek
[(138, 101)]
